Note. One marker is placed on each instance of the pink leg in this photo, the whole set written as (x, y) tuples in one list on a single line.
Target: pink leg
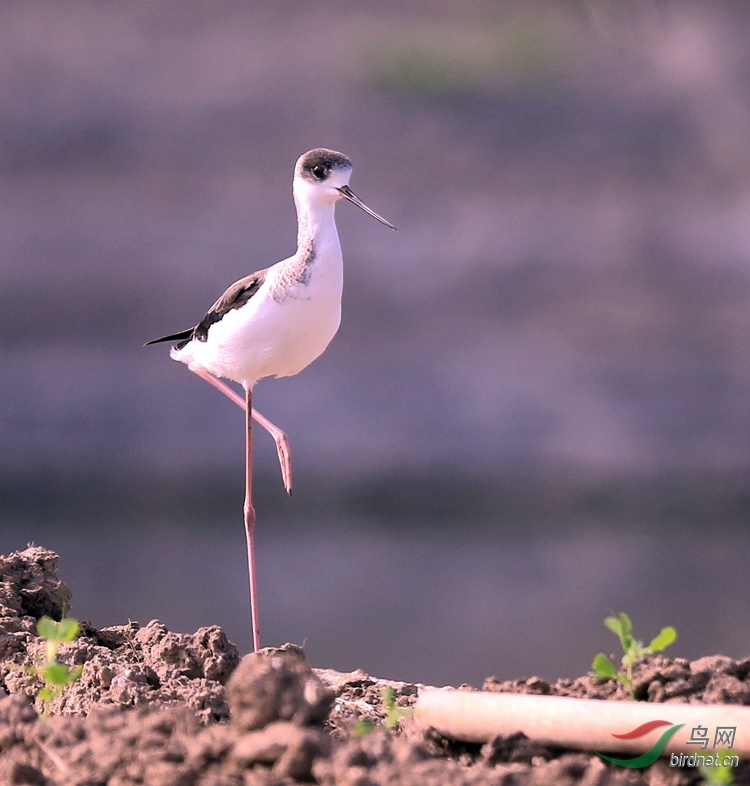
[(279, 437), (250, 520)]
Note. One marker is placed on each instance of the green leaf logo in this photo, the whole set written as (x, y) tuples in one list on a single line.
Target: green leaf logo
[(651, 755)]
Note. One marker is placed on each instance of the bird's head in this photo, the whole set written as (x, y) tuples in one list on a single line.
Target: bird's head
[(322, 176)]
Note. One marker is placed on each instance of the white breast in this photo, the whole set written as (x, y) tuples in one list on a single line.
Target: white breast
[(278, 332)]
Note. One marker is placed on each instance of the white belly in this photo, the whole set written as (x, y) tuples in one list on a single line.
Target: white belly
[(268, 337)]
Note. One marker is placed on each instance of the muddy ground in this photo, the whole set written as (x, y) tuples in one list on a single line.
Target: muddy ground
[(172, 709)]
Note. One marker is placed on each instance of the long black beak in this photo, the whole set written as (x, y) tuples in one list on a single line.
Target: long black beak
[(346, 192)]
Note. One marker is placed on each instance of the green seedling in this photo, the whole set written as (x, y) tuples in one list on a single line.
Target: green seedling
[(363, 727), (721, 774), (604, 669), (55, 676), (394, 714)]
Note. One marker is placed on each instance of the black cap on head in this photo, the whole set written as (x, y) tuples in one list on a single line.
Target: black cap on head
[(316, 165)]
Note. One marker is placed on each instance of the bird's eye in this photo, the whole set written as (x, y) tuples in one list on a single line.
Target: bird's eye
[(319, 172)]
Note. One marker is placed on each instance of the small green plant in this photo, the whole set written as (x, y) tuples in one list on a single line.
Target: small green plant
[(604, 669), (55, 676), (394, 714), (363, 727), (721, 774)]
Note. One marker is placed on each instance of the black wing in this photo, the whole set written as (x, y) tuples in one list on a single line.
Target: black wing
[(237, 295)]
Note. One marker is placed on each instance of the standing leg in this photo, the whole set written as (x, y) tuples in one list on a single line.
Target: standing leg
[(250, 520), (279, 437)]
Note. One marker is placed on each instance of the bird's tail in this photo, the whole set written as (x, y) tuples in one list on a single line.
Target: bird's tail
[(183, 336)]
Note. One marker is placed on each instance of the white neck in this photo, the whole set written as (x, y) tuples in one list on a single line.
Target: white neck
[(316, 223)]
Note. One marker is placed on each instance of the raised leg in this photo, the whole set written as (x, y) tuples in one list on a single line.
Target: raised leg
[(279, 437), (250, 519)]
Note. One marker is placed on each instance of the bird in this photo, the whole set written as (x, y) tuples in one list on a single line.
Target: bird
[(278, 320)]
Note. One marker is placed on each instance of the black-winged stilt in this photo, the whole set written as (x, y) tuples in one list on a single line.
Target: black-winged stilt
[(275, 322)]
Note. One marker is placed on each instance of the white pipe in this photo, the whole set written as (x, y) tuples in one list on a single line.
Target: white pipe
[(587, 724)]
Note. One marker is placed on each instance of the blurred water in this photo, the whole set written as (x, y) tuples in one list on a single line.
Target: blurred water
[(435, 605)]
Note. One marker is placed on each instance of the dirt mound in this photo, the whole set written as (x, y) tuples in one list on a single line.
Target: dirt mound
[(125, 665), (712, 680), (167, 709)]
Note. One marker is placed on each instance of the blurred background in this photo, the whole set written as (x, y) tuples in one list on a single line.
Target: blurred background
[(536, 410)]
